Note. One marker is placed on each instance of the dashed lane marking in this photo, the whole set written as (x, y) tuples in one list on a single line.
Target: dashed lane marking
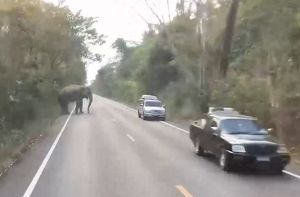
[(130, 137), (187, 132), (184, 191)]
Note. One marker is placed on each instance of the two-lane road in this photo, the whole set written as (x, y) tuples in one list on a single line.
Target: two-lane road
[(113, 153)]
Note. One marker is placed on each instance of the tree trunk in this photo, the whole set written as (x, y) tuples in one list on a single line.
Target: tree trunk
[(228, 35)]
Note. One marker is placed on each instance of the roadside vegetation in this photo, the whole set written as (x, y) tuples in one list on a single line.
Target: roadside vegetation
[(43, 48), (188, 63)]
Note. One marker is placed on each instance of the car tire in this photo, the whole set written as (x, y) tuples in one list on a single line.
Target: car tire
[(144, 118), (224, 161), (163, 119), (198, 149)]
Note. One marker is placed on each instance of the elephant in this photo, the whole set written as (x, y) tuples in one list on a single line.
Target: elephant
[(74, 93)]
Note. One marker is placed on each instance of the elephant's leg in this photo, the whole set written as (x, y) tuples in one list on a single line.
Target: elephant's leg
[(80, 105), (78, 108)]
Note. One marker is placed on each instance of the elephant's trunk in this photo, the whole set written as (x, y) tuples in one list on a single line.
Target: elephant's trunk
[(90, 102)]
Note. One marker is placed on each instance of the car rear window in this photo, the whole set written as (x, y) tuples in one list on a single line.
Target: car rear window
[(153, 104)]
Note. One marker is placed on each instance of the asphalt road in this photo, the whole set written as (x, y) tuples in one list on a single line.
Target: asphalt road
[(112, 153)]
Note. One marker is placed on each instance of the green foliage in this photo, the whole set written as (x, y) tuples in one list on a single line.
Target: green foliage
[(159, 70), (42, 49), (179, 62)]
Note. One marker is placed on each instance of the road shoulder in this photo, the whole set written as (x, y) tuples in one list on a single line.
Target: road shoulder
[(292, 169), (28, 163)]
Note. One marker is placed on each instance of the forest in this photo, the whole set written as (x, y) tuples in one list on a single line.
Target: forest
[(236, 53), (43, 48)]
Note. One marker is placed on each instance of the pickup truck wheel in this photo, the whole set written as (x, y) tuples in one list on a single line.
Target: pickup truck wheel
[(277, 170), (224, 161), (198, 149)]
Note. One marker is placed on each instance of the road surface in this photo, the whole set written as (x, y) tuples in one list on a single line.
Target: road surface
[(112, 153)]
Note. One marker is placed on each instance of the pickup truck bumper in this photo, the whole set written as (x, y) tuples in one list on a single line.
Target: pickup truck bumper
[(244, 159)]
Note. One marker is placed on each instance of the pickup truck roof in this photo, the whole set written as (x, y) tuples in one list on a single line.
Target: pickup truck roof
[(212, 109), (222, 115)]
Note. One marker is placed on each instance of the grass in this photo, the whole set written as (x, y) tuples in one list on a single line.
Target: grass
[(20, 140), (295, 153)]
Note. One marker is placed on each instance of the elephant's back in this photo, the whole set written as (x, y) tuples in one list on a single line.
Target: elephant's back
[(71, 92)]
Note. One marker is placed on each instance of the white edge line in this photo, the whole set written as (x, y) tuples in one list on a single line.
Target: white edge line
[(129, 108), (45, 161), (130, 137), (185, 131), (291, 174)]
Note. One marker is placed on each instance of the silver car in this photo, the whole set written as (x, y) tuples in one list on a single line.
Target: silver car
[(151, 109)]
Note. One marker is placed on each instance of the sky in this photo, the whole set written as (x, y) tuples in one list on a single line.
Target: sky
[(118, 19)]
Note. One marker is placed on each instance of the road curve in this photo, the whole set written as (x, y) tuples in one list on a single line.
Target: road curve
[(111, 152)]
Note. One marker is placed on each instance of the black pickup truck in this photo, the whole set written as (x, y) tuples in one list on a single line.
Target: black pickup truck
[(237, 139)]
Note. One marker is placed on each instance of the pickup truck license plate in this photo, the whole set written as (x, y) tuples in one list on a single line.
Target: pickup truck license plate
[(262, 158)]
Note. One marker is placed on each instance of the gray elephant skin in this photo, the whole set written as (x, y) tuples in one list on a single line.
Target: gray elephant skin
[(74, 93)]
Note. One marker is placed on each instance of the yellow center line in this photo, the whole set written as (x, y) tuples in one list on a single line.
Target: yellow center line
[(184, 191)]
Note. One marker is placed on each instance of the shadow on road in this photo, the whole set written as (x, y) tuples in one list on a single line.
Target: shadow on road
[(248, 171), (152, 119)]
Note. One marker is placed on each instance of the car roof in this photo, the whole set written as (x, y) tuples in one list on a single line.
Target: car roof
[(222, 115), (152, 100), (148, 97)]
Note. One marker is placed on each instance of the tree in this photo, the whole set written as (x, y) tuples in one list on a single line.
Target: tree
[(250, 62), (43, 48), (228, 35)]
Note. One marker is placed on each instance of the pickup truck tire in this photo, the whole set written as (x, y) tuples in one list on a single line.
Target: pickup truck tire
[(198, 149), (277, 170), (224, 161)]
